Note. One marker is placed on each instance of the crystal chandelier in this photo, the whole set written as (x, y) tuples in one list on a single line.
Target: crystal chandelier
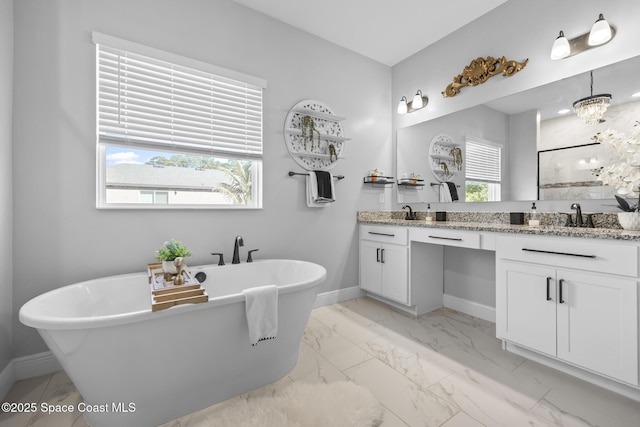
[(592, 108)]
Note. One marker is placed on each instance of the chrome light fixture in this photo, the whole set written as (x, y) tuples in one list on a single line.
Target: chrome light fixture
[(419, 101), (592, 108), (601, 33)]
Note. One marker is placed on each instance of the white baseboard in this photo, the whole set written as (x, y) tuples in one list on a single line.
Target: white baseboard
[(462, 305), (470, 307), (334, 297), (35, 365), (27, 367), (7, 378)]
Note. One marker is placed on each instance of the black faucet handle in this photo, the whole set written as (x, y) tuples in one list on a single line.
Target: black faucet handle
[(249, 259), (569, 222), (590, 221), (221, 260)]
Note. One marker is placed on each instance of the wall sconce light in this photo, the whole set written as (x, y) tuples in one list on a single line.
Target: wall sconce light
[(601, 33), (419, 101)]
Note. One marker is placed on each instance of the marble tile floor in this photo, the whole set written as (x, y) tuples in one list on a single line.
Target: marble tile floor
[(442, 369)]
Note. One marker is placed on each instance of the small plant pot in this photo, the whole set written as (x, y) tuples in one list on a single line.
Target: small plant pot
[(629, 220), (169, 267)]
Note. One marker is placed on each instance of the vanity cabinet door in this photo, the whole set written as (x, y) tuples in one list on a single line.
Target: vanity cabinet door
[(527, 295), (370, 266), (598, 323), (583, 318), (395, 284), (384, 262)]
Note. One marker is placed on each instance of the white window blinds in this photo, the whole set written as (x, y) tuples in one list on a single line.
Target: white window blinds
[(151, 99), (483, 161)]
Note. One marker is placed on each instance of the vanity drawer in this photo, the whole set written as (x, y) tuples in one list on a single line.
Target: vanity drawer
[(384, 234), (613, 258), (446, 237)]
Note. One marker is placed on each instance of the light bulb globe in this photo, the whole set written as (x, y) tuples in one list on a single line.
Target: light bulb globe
[(600, 32)]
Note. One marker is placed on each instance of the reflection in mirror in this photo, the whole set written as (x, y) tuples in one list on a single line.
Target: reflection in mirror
[(484, 126), (540, 144), (568, 154)]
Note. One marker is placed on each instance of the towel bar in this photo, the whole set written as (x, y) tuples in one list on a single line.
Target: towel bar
[(338, 177), (434, 184)]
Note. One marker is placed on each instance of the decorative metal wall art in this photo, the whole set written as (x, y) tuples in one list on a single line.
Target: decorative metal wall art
[(480, 70), (313, 135), (441, 159)]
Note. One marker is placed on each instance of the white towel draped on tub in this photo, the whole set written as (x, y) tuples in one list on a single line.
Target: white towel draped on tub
[(262, 312)]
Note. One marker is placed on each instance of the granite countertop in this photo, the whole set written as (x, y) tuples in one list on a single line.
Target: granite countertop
[(492, 224)]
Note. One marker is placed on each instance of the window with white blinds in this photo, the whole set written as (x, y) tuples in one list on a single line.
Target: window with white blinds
[(483, 171), (161, 110), (483, 161)]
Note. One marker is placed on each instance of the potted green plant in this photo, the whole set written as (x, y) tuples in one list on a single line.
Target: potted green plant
[(170, 250), (629, 218), (456, 153), (308, 128)]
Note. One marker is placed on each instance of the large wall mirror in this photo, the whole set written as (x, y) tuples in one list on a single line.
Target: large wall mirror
[(545, 151)]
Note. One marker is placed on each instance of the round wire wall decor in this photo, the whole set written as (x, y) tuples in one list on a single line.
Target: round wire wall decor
[(313, 135), (440, 159)]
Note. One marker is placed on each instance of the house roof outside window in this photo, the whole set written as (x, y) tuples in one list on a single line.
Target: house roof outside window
[(143, 176)]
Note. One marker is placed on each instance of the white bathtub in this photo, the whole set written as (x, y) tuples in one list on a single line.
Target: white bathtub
[(135, 367)]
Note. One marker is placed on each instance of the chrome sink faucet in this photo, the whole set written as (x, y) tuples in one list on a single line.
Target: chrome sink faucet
[(236, 250)]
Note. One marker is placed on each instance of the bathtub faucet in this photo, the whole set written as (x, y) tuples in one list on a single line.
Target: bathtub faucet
[(236, 250)]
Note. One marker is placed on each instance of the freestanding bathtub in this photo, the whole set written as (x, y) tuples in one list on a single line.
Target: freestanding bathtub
[(135, 367)]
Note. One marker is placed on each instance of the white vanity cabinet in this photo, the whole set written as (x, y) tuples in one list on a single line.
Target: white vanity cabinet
[(384, 262), (570, 299)]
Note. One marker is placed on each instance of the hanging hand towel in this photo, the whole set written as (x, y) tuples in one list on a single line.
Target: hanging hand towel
[(320, 190), (453, 191), (262, 312), (445, 194)]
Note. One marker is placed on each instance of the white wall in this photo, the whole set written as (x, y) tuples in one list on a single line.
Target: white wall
[(60, 238), (518, 29), (6, 206), (520, 170)]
